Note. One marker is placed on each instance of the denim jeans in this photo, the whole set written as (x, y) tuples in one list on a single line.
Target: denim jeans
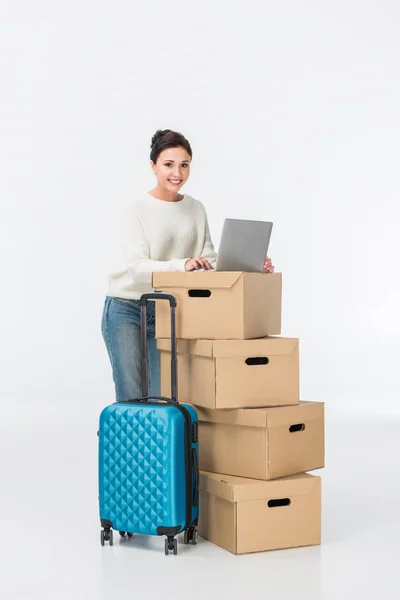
[(121, 332)]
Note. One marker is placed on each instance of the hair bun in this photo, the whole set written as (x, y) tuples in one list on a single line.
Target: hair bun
[(158, 134), (166, 138)]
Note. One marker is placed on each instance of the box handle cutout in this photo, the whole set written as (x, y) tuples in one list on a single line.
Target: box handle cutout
[(297, 427), (257, 360), (279, 502), (199, 293)]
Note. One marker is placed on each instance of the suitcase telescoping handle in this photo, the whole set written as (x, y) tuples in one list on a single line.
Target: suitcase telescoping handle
[(143, 336)]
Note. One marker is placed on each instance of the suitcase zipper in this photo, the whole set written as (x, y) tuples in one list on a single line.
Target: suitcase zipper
[(188, 466)]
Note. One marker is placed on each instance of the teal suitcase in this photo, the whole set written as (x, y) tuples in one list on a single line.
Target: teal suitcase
[(148, 459)]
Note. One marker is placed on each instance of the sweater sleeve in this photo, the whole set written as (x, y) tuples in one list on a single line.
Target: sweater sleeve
[(208, 249), (137, 254)]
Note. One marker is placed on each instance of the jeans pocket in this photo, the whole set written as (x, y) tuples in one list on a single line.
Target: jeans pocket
[(126, 302)]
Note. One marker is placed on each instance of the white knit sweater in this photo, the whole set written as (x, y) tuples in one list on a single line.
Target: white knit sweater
[(159, 236)]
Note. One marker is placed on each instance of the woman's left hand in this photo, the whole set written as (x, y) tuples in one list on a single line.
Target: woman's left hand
[(268, 266)]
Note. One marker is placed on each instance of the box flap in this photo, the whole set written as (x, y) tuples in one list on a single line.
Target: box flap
[(182, 346), (240, 489), (163, 280), (293, 415), (252, 417), (212, 483), (266, 346), (264, 417), (193, 347)]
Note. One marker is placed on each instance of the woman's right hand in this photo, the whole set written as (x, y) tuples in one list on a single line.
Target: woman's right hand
[(194, 264)]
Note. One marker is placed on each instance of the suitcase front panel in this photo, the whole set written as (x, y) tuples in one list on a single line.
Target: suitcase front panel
[(142, 467)]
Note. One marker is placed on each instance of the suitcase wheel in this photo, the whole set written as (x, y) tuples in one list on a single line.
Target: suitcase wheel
[(124, 533), (191, 536), (171, 544), (106, 535)]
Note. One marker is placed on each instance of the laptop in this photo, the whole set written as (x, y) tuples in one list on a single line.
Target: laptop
[(243, 246)]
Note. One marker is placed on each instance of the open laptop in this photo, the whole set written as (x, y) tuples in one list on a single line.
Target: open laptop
[(243, 246)]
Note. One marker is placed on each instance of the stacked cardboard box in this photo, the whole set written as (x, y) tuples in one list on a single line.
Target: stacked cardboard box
[(257, 440)]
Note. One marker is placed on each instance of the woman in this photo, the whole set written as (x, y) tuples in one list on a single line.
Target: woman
[(163, 230)]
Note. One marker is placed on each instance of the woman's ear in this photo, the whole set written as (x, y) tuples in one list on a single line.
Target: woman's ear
[(153, 167)]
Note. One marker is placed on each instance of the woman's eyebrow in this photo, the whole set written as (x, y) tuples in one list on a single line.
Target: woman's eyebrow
[(167, 160)]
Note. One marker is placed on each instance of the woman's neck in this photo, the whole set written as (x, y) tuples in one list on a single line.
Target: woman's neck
[(165, 195)]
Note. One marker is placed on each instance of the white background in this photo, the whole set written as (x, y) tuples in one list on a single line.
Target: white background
[(292, 110)]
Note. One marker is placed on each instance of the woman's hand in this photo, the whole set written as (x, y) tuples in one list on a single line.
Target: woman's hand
[(194, 264), (268, 266)]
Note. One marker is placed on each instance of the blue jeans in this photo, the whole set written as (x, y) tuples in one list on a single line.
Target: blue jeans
[(121, 332)]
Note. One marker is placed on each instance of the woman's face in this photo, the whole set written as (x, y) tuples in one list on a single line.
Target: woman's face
[(172, 168)]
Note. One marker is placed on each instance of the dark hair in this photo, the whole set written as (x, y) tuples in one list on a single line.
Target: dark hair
[(163, 139)]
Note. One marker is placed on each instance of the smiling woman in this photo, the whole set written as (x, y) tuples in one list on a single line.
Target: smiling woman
[(162, 230), (171, 164)]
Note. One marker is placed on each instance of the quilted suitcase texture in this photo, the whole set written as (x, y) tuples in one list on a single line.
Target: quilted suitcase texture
[(148, 459)]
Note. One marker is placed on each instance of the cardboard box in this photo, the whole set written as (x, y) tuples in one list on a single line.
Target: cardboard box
[(234, 373), (262, 443), (246, 515), (220, 305)]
